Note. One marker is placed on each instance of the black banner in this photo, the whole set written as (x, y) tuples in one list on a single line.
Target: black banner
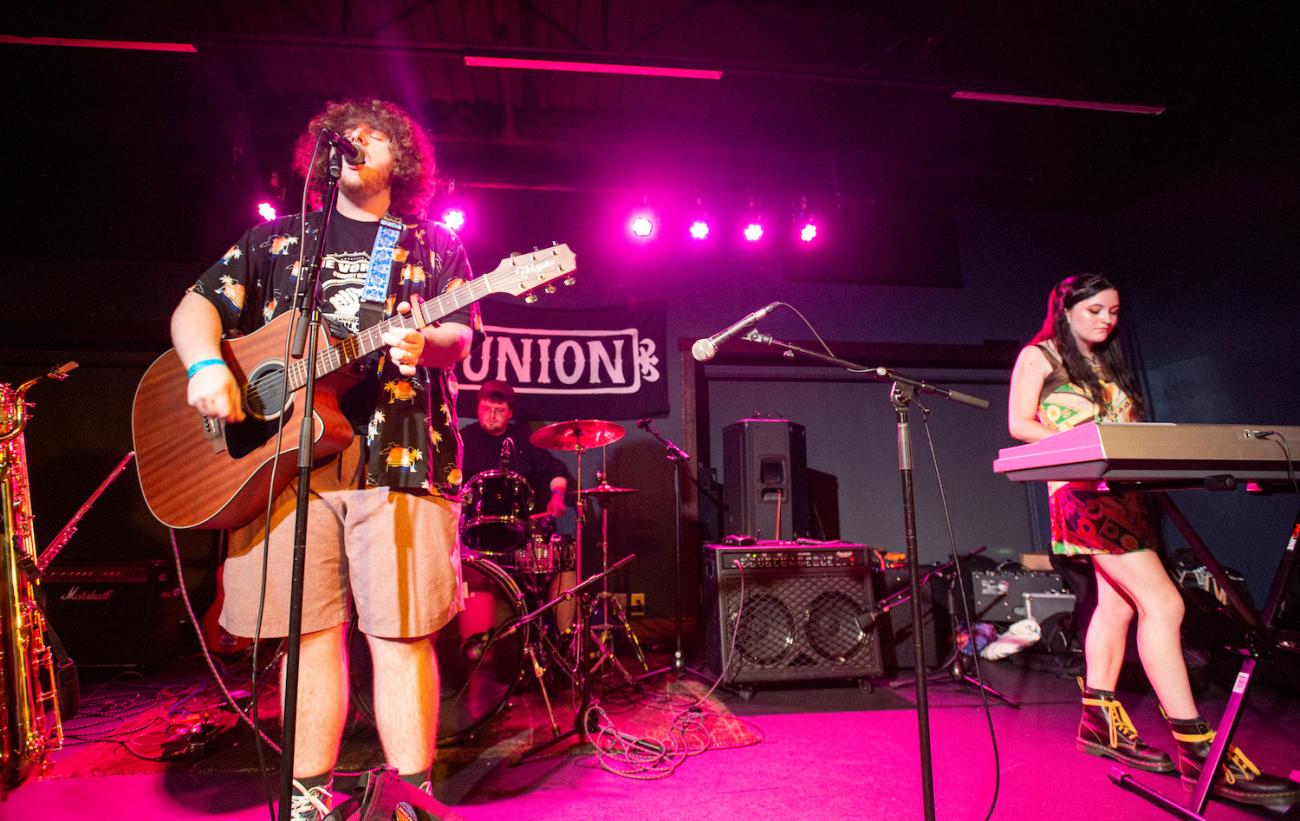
[(603, 363)]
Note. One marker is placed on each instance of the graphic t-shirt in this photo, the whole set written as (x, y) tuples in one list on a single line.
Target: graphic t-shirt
[(409, 423)]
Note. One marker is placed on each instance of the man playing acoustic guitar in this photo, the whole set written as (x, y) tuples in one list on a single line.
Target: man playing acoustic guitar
[(384, 512)]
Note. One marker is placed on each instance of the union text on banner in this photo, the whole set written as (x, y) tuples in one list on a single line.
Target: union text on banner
[(603, 363)]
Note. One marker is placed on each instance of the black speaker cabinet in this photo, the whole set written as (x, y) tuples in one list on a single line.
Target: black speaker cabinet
[(115, 615), (765, 468), (797, 620), (896, 635)]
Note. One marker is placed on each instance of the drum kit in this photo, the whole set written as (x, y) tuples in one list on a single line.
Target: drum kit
[(515, 570)]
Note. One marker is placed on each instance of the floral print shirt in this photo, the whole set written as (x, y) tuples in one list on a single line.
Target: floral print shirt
[(409, 423)]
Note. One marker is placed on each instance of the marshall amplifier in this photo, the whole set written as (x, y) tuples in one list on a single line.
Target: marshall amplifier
[(1003, 595), (797, 620), (126, 614)]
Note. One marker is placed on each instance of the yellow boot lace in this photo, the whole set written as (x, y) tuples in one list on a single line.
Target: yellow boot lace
[(1120, 723), (1235, 756)]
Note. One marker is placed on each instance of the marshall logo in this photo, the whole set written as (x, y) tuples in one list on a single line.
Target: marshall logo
[(77, 593)]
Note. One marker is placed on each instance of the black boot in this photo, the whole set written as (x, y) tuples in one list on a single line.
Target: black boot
[(1239, 779), (1105, 730)]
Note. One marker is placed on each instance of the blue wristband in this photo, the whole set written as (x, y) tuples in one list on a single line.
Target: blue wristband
[(201, 364)]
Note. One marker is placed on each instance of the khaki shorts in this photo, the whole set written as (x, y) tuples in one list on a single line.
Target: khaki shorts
[(396, 553)]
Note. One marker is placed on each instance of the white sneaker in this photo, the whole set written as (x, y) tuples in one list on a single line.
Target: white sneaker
[(309, 804)]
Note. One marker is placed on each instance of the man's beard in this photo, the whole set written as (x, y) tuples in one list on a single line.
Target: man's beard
[(365, 185)]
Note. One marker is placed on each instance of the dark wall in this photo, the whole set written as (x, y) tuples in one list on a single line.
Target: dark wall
[(1210, 264)]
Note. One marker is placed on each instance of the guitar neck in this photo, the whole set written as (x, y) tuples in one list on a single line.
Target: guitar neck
[(361, 345)]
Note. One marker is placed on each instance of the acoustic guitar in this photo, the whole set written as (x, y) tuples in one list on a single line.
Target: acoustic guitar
[(200, 472)]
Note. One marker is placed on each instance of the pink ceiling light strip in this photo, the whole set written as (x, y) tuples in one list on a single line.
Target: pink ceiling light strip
[(124, 45), (592, 68), (1056, 102)]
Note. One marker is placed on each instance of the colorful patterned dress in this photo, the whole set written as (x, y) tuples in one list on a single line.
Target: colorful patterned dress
[(1086, 521)]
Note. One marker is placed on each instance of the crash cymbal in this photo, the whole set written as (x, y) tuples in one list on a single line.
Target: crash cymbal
[(606, 489), (576, 433)]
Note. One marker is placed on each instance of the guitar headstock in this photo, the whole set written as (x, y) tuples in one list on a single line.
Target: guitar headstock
[(520, 274)]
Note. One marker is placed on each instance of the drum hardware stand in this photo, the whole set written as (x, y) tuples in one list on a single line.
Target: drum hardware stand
[(581, 671), (954, 666), (539, 673), (603, 601), (677, 457), (901, 395)]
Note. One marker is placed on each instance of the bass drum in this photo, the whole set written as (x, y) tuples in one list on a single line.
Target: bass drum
[(477, 675), (494, 512)]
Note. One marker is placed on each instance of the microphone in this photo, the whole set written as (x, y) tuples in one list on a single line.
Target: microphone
[(705, 349), (644, 424), (348, 150), (867, 620), (475, 646)]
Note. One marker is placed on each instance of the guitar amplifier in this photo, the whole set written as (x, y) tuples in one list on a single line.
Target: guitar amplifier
[(1004, 595), (797, 619), (126, 614)]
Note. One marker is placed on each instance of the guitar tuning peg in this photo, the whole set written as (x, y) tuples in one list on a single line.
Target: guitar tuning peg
[(530, 299), (569, 280), (550, 289), (514, 254), (534, 249)]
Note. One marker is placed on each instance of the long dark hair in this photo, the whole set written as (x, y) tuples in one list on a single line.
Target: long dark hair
[(413, 161), (1069, 292)]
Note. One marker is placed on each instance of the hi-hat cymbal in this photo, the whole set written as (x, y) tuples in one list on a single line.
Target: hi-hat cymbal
[(577, 433), (605, 489)]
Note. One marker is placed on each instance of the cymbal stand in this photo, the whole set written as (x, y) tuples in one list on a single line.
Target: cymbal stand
[(581, 673), (604, 601)]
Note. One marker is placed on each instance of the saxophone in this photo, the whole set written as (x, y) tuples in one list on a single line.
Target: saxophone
[(30, 723)]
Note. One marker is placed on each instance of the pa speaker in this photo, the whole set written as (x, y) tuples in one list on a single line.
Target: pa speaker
[(788, 612), (765, 467)]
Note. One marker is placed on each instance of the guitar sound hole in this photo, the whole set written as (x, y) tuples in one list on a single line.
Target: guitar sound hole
[(264, 393)]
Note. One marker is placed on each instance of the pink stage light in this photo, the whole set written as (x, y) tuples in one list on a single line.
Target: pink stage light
[(699, 230), (266, 210), (454, 218), (73, 42), (753, 232), (641, 226), (1059, 102), (593, 68), (808, 233)]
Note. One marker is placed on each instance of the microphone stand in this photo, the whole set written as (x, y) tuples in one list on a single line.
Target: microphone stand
[(901, 396), (306, 335), (678, 457)]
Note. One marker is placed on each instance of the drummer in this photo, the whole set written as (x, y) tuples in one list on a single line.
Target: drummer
[(547, 476)]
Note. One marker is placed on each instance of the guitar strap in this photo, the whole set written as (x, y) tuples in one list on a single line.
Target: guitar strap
[(380, 276)]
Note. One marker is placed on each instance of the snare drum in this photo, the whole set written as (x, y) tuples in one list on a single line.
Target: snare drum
[(494, 512), (544, 554)]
